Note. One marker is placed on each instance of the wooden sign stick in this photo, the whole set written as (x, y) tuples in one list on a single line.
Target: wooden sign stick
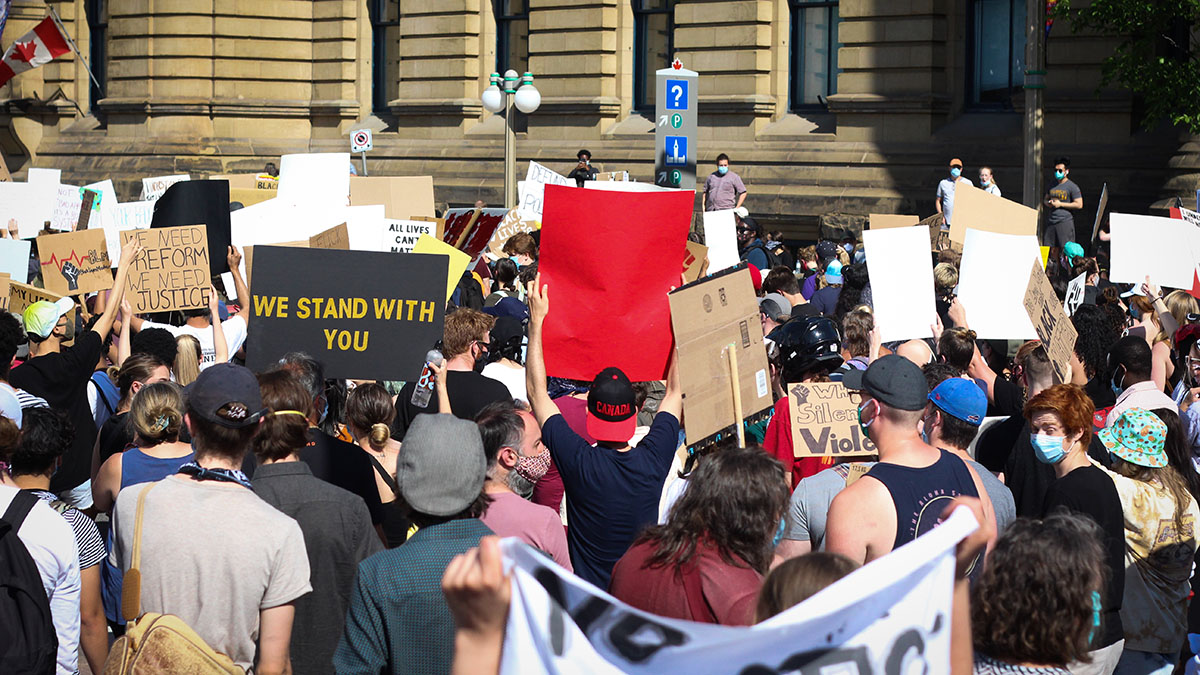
[(737, 395)]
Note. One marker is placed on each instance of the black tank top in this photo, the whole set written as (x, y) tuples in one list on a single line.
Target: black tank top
[(921, 494)]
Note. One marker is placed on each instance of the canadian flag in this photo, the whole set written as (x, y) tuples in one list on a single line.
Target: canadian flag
[(35, 48)]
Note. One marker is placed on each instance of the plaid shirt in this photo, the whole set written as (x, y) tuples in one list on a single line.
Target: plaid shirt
[(398, 620)]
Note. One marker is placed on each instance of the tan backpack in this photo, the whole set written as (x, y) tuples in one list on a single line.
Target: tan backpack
[(158, 643)]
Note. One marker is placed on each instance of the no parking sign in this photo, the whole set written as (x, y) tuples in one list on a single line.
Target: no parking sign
[(360, 141)]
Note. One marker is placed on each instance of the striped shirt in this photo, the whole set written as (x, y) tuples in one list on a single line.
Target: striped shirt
[(87, 536)]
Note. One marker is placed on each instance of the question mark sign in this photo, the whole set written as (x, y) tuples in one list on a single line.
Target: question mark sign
[(678, 92)]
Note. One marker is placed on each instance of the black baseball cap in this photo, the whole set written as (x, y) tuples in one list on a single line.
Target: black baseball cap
[(226, 394), (894, 380), (611, 407)]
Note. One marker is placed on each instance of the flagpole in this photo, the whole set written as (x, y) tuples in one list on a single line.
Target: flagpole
[(62, 29)]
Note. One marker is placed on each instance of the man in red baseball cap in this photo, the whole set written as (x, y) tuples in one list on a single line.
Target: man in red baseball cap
[(612, 488)]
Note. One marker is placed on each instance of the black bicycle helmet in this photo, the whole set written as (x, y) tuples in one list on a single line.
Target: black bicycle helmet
[(807, 345)]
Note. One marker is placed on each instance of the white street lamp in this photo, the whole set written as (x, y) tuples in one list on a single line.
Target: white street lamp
[(495, 99)]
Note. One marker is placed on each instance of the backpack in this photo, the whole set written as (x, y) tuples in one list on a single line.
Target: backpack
[(158, 643), (107, 399), (773, 259), (28, 643)]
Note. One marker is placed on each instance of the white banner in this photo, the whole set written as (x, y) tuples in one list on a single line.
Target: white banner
[(992, 280), (902, 291), (1166, 249), (531, 190), (400, 236), (892, 615)]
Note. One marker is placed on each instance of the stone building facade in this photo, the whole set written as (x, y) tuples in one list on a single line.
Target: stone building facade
[(824, 106)]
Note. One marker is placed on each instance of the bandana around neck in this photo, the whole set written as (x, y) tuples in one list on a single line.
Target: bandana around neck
[(224, 475)]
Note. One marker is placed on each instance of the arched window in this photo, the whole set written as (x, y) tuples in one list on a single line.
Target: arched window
[(813, 63), (653, 47)]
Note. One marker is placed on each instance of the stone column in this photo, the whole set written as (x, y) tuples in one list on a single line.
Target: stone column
[(442, 50)]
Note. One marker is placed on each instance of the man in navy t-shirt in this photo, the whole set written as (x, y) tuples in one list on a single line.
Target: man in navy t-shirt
[(612, 488)]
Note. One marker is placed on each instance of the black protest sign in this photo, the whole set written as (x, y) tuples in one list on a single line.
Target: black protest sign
[(199, 202), (365, 315)]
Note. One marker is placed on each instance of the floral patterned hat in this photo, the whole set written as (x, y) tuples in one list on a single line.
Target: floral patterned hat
[(1138, 437)]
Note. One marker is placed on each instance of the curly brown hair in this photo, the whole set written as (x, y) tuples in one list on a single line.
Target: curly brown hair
[(1034, 600), (734, 500)]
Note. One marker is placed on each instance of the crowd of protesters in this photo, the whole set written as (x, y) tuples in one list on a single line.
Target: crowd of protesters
[(302, 524)]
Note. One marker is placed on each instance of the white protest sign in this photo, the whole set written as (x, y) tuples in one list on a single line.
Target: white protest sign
[(1165, 249), (531, 190), (721, 239), (126, 216), (992, 280), (1074, 294), (274, 222), (14, 259), (32, 203), (153, 188), (67, 203), (901, 272), (896, 609), (105, 205), (317, 179), (400, 236)]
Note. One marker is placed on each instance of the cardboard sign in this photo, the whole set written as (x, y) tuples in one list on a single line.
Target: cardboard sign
[(153, 188), (619, 251), (249, 196), (720, 236), (1100, 206), (992, 282), (825, 421), (512, 224), (67, 204), (441, 223), (14, 258), (709, 318), (470, 230), (695, 262), (456, 261), (203, 202), (248, 256), (5, 176), (240, 181), (401, 196), (172, 273), (882, 221), (1053, 327), (75, 262), (981, 210), (1075, 291), (86, 206), (337, 238), (22, 295), (363, 314)]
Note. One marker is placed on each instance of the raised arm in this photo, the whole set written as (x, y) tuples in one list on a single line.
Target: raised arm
[(673, 399), (234, 258), (535, 363), (219, 343), (129, 251), (125, 339)]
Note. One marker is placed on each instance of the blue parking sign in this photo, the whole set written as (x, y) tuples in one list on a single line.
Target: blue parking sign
[(676, 151), (677, 94)]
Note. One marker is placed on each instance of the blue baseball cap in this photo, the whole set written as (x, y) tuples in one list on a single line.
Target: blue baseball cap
[(961, 399), (833, 273)]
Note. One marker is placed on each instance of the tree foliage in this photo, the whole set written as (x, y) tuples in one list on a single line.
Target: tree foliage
[(1154, 59)]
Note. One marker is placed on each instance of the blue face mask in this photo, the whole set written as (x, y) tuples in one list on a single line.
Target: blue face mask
[(779, 533), (1118, 384), (956, 172), (722, 170), (985, 183), (864, 426), (1048, 449), (1058, 175)]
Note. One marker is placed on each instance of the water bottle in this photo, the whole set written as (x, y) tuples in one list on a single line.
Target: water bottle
[(423, 390)]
